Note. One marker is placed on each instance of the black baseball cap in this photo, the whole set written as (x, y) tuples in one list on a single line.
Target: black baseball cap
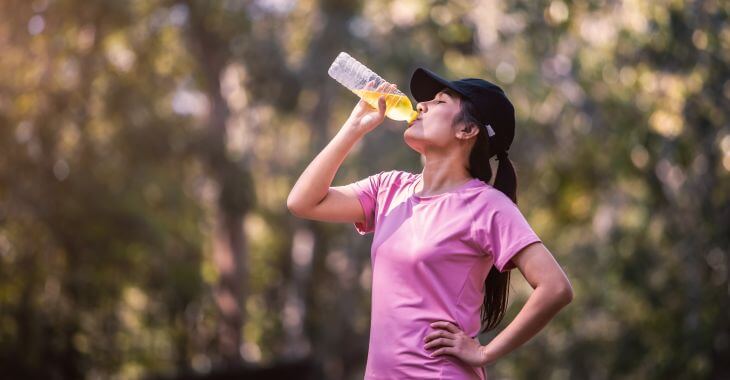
[(494, 110)]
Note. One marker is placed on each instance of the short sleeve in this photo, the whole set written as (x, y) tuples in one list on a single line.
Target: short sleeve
[(505, 233), (367, 193)]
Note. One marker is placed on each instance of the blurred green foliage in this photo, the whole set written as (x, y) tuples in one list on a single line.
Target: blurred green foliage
[(148, 147)]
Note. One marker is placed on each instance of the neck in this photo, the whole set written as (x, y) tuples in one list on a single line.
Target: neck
[(442, 174)]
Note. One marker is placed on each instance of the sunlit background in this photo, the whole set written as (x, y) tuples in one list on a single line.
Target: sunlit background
[(147, 148)]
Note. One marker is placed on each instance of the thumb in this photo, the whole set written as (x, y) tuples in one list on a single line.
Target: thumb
[(381, 106)]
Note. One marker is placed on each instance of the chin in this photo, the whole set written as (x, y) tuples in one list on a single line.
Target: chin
[(412, 142)]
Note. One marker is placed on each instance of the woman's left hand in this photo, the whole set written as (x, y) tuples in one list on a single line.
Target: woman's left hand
[(450, 340)]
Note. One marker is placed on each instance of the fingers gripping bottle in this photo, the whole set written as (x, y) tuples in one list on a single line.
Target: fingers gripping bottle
[(356, 77)]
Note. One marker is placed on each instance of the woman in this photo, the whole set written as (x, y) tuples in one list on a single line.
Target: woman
[(445, 239)]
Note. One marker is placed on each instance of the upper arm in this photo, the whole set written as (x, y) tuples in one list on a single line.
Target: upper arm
[(341, 204), (539, 267), (355, 203)]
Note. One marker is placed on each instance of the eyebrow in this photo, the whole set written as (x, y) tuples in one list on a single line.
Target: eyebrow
[(447, 92)]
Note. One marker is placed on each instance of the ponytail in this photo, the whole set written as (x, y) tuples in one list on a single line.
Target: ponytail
[(496, 285), (506, 180)]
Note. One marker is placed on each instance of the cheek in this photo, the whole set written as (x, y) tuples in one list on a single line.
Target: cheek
[(439, 130), (442, 118), (434, 130)]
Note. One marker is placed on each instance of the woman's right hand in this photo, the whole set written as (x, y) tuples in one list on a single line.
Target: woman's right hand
[(365, 118)]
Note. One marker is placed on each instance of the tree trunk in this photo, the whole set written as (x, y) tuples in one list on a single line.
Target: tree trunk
[(233, 198)]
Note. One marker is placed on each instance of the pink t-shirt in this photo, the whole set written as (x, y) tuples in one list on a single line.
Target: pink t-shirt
[(430, 256)]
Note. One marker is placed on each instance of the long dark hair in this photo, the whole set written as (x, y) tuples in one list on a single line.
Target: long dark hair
[(496, 285)]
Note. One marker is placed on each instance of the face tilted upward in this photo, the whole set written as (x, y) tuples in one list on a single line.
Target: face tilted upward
[(433, 129)]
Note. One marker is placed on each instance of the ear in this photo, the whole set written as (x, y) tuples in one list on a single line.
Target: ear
[(467, 131)]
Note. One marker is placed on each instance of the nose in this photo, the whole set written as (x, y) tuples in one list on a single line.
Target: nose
[(421, 107)]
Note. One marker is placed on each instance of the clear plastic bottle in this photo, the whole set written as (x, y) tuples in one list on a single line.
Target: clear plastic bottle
[(355, 76)]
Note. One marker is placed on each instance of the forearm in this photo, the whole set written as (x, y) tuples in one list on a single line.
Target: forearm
[(314, 182), (542, 305)]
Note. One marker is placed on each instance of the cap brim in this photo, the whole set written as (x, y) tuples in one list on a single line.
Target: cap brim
[(426, 84)]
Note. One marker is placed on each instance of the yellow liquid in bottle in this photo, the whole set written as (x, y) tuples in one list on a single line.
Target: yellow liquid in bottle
[(397, 107)]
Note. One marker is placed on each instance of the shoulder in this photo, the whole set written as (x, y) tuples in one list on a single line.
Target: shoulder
[(395, 178), (489, 199)]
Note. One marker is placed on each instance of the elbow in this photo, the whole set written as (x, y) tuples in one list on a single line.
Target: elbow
[(296, 207), (564, 294), (293, 207), (559, 293)]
